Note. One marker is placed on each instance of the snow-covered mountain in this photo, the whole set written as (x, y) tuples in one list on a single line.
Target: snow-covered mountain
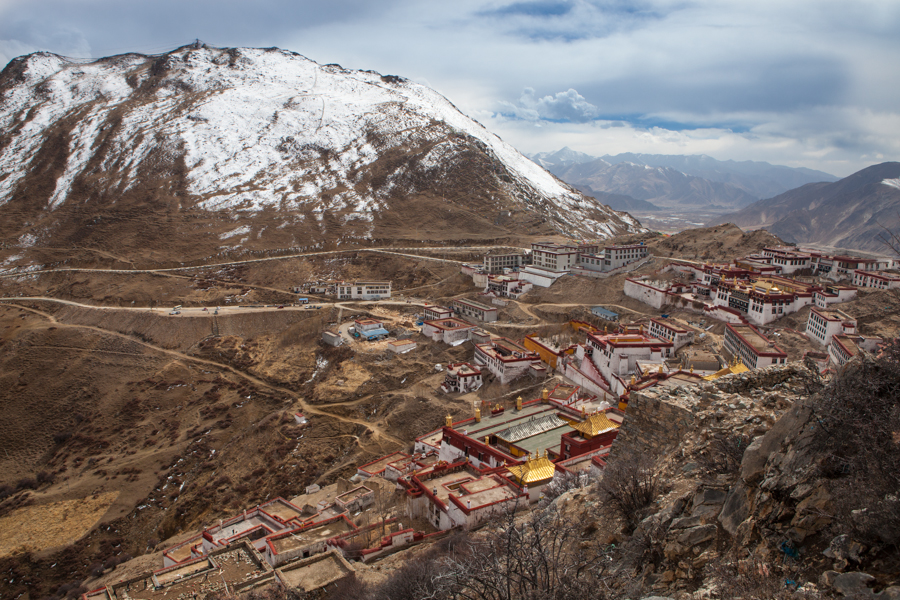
[(257, 148)]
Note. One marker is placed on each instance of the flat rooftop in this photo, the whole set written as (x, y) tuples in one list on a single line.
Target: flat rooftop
[(477, 489), (669, 324), (243, 525), (282, 509), (833, 314), (379, 465), (475, 304), (753, 338), (315, 572), (563, 392), (849, 342), (234, 567), (463, 369), (311, 535), (355, 493), (487, 495), (450, 323)]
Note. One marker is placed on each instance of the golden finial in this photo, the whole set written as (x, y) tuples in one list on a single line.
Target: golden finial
[(692, 367), (448, 421), (660, 368)]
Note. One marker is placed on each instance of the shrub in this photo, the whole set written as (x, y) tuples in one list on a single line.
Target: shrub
[(61, 437), (628, 488), (26, 483), (857, 420), (724, 453), (96, 570)]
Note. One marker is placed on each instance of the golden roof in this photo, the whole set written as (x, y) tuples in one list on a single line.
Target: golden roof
[(738, 367), (593, 424), (533, 471)]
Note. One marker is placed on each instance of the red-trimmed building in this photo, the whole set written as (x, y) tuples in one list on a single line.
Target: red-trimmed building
[(377, 467), (459, 494), (822, 324), (475, 310), (844, 347), (451, 331), (461, 378), (506, 359), (876, 279), (305, 541), (752, 347), (615, 356), (666, 329), (595, 431), (435, 313)]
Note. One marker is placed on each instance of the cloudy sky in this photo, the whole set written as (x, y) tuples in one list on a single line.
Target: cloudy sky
[(795, 82)]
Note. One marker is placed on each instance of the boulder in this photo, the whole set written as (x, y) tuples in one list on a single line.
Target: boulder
[(736, 508), (697, 535), (854, 584)]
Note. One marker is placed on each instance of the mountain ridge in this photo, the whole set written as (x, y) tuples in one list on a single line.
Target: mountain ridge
[(849, 213), (678, 181), (257, 148)]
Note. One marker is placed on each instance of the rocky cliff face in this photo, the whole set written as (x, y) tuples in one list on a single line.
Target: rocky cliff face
[(202, 150), (752, 508)]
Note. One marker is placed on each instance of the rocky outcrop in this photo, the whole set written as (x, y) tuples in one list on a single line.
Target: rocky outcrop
[(766, 510)]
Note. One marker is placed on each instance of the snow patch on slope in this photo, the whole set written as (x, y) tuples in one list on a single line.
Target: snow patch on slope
[(256, 129)]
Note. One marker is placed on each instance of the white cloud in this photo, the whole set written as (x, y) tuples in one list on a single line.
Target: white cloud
[(564, 106), (810, 82)]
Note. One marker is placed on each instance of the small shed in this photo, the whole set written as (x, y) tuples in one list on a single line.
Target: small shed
[(332, 338), (601, 312), (401, 346)]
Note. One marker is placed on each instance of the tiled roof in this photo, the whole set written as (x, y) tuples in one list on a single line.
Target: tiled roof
[(594, 424), (535, 470), (532, 426)]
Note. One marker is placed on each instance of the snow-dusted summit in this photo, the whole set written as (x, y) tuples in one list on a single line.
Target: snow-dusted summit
[(259, 148)]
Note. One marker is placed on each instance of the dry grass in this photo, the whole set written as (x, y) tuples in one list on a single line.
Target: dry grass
[(37, 528)]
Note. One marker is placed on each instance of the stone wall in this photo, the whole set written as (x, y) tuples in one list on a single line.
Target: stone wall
[(658, 419), (653, 423)]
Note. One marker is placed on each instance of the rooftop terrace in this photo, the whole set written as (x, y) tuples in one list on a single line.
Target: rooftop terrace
[(311, 535)]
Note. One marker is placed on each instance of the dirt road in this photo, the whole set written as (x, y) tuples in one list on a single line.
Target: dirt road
[(380, 250), (377, 430)]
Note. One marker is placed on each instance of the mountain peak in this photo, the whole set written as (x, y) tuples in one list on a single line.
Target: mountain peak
[(312, 154)]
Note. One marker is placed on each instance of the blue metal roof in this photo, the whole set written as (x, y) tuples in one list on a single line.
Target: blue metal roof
[(371, 333), (602, 312)]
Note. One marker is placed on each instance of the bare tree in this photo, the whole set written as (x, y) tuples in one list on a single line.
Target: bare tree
[(542, 557), (628, 488), (890, 238)]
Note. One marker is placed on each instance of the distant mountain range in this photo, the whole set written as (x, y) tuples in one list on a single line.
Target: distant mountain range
[(675, 181), (845, 214)]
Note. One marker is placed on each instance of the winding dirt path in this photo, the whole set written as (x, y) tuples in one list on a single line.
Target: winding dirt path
[(377, 430)]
